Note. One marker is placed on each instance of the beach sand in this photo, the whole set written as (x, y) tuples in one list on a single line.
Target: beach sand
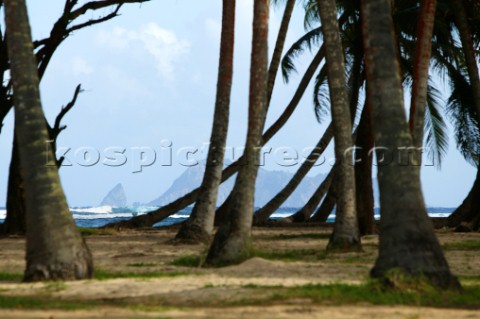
[(150, 283)]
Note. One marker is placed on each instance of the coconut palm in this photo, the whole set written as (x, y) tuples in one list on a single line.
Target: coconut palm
[(232, 241), (408, 244), (345, 234), (55, 247), (199, 226), (161, 213)]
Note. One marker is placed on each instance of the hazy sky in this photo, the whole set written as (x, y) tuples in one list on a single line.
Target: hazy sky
[(150, 78)]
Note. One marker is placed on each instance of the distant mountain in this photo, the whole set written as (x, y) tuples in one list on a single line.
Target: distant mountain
[(268, 184), (115, 198)]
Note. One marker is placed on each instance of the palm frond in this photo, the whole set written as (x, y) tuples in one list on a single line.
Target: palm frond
[(435, 128), (307, 41), (463, 116), (321, 95)]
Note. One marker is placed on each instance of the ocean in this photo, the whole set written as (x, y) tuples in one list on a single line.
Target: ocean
[(102, 215)]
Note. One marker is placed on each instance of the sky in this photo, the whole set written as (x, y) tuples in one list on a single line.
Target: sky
[(149, 80)]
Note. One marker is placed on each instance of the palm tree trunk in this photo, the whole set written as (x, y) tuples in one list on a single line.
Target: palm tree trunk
[(55, 248), (408, 244), (465, 217), (199, 226), (363, 173), (277, 52), (345, 235), (423, 51), (231, 245), (262, 215), (466, 37), (328, 204), (15, 221), (160, 214), (468, 222), (307, 210)]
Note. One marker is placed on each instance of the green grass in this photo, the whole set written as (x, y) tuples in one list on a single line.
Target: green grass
[(470, 280), (11, 276), (140, 265), (299, 236), (55, 286), (38, 303), (291, 255), (104, 275), (463, 245), (343, 294), (96, 231), (188, 261)]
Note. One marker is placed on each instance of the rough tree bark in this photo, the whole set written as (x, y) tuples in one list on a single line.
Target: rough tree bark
[(408, 244), (55, 247), (199, 226), (467, 216), (423, 52), (363, 173), (231, 244), (345, 235)]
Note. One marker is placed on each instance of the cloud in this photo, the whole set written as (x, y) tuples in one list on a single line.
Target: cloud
[(80, 66), (161, 44)]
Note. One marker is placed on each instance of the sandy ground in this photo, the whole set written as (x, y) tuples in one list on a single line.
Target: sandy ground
[(189, 292)]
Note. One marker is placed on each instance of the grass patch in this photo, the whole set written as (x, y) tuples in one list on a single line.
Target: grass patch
[(291, 255), (96, 231), (300, 236), (36, 303), (470, 280), (105, 275), (463, 245), (55, 286), (188, 261), (11, 276), (342, 294), (140, 265)]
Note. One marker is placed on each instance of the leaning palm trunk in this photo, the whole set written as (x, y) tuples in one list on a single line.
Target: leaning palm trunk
[(328, 204), (303, 214), (55, 248), (232, 242), (199, 226), (262, 215), (467, 216), (423, 51), (345, 234), (147, 220), (277, 52), (408, 245)]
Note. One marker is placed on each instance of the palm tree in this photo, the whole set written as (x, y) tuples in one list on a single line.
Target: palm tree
[(304, 213), (262, 215), (425, 25), (55, 247), (45, 49), (467, 116), (345, 234), (363, 172), (161, 213), (199, 226), (232, 242), (407, 240)]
